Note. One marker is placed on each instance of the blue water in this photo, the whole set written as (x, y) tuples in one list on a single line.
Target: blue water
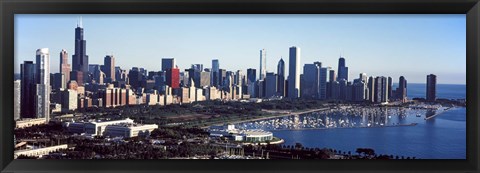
[(446, 91), (442, 137)]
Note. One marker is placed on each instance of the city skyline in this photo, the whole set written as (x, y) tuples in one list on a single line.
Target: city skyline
[(153, 62), (165, 95)]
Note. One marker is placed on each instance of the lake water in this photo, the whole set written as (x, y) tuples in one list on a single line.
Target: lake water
[(448, 91), (441, 137)]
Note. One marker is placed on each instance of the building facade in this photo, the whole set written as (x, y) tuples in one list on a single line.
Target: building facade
[(80, 58), (168, 63), (431, 88), (294, 73), (263, 64), (28, 90), (42, 101), (109, 63), (65, 68), (271, 85), (281, 78), (342, 70)]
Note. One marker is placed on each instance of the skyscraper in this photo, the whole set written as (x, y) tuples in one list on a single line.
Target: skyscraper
[(238, 81), (65, 68), (197, 67), (43, 84), (323, 82), (251, 79), (134, 77), (238, 77), (80, 58), (335, 90), (221, 77), (57, 80), (203, 80), (378, 89), (390, 94), (431, 88), (109, 63), (196, 71), (263, 64), (402, 89), (294, 73), (311, 81), (28, 89), (342, 70), (385, 89), (168, 63), (342, 91), (331, 79), (251, 75), (371, 89), (270, 85), (98, 75), (381, 89), (281, 77), (215, 69), (359, 89), (173, 77)]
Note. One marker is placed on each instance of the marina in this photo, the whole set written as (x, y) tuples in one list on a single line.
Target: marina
[(348, 117)]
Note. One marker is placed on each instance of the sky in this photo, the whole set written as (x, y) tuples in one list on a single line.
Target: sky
[(378, 45)]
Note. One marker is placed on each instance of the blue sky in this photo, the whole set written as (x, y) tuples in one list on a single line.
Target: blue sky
[(379, 45)]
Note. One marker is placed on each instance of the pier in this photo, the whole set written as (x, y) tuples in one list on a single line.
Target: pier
[(434, 115)]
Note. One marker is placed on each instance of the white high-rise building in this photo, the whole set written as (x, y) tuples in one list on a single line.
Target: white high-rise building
[(263, 64), (294, 72), (42, 101)]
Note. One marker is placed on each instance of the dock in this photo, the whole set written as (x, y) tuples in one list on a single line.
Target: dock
[(434, 115)]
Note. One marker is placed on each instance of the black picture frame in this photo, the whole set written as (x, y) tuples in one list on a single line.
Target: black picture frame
[(11, 7)]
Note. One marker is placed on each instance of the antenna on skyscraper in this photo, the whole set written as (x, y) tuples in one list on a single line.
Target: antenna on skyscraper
[(81, 26)]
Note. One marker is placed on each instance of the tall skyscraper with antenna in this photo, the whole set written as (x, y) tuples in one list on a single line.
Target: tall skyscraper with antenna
[(342, 70), (80, 58)]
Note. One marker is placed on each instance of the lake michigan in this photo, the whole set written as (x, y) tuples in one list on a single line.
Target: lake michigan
[(442, 137)]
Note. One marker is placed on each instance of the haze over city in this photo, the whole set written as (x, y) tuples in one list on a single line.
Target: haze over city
[(391, 45)]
